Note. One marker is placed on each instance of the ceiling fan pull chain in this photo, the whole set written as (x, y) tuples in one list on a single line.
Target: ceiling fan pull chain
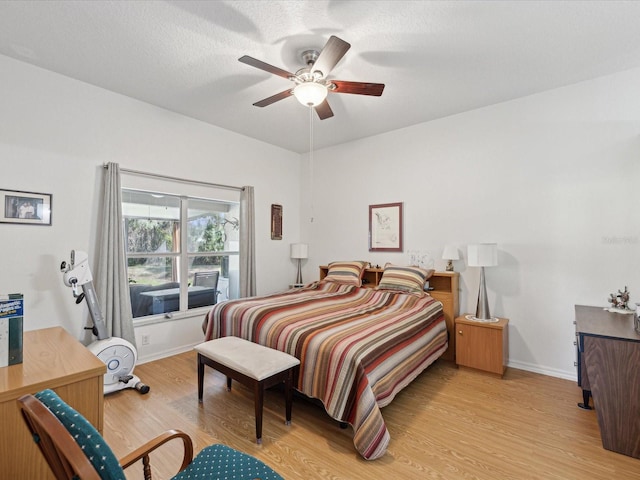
[(311, 161)]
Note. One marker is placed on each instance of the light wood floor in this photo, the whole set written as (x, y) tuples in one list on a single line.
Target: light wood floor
[(448, 424)]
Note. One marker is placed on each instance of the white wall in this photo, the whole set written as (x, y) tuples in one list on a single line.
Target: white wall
[(552, 178), (549, 177), (55, 134)]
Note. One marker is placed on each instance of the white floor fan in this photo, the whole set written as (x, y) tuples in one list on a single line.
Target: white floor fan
[(118, 354)]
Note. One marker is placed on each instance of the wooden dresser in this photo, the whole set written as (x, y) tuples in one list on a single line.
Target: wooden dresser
[(445, 289), (51, 359), (608, 366)]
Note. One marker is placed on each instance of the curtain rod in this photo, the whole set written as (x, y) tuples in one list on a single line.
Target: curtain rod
[(182, 180)]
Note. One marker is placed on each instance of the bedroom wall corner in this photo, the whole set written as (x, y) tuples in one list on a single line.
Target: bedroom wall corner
[(549, 177), (55, 135)]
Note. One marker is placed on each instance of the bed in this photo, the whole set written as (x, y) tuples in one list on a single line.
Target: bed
[(357, 346)]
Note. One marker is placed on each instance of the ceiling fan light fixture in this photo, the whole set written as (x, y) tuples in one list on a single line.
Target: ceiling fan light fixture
[(311, 82), (310, 94)]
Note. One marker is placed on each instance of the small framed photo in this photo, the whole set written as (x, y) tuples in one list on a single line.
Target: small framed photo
[(276, 222), (385, 227), (27, 208)]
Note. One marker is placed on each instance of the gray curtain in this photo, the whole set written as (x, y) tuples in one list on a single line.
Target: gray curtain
[(111, 284), (247, 244)]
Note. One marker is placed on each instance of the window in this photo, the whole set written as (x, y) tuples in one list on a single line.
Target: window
[(182, 252)]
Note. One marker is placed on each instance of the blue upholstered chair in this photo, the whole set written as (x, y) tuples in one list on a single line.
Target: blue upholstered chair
[(74, 449)]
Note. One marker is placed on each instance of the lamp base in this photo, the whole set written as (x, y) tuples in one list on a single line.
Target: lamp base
[(482, 310), (473, 318), (299, 277), (449, 267)]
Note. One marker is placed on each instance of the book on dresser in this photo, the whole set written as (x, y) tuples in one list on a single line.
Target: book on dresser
[(11, 325)]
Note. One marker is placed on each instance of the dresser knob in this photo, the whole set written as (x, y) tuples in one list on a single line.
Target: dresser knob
[(460, 332)]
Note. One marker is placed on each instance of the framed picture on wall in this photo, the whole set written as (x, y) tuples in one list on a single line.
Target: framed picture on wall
[(385, 227), (27, 208), (276, 222)]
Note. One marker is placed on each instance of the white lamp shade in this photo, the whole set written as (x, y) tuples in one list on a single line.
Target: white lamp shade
[(450, 253), (299, 250), (310, 93), (482, 255)]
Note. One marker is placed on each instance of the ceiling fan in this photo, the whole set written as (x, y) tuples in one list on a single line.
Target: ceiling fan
[(312, 85)]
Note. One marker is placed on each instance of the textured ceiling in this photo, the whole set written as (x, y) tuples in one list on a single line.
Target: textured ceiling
[(436, 58)]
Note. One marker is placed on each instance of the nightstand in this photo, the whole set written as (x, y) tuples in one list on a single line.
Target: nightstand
[(482, 345)]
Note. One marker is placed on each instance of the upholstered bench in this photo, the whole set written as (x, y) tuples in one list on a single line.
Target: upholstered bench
[(255, 366)]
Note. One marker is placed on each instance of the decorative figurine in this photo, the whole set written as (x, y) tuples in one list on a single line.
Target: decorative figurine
[(620, 300)]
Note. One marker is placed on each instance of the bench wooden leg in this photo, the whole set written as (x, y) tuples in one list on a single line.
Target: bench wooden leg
[(200, 378), (288, 391), (258, 388)]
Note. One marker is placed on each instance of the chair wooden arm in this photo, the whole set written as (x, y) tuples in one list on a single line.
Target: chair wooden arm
[(62, 435), (43, 426), (142, 453)]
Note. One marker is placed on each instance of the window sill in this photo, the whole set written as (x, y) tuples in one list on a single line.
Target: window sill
[(170, 317)]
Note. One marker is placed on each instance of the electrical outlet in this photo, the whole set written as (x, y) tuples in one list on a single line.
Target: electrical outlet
[(146, 339)]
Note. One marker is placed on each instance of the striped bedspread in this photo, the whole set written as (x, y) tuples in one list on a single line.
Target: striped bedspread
[(358, 347)]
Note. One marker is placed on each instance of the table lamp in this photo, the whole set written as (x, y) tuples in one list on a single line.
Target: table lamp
[(298, 252), (482, 255), (450, 254)]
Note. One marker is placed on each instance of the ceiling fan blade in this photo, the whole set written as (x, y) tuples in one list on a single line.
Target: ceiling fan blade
[(330, 55), (254, 62), (274, 98), (358, 88), (324, 110)]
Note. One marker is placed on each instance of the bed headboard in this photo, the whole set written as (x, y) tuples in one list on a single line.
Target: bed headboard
[(445, 287)]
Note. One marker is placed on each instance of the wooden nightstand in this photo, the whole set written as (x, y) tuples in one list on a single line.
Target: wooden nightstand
[(482, 345)]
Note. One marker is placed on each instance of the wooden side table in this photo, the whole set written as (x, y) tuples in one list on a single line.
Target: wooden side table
[(52, 359), (482, 345)]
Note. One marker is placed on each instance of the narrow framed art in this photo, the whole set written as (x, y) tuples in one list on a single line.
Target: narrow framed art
[(26, 208), (385, 227), (276, 222)]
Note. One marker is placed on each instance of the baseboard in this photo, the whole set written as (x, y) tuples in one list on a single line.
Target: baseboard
[(165, 354), (551, 372), (529, 367)]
